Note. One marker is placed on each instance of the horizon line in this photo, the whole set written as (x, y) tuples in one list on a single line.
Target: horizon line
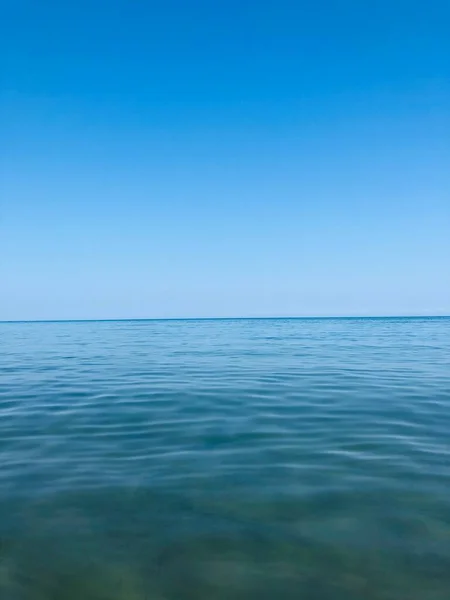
[(264, 318)]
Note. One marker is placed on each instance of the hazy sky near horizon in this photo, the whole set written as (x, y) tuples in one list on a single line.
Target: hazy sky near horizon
[(224, 158)]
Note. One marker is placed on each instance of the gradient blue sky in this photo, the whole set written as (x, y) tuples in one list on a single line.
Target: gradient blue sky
[(224, 158)]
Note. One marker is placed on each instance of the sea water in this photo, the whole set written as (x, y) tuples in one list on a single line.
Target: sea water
[(225, 459)]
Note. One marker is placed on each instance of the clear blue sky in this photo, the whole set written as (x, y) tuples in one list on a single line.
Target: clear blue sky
[(224, 158)]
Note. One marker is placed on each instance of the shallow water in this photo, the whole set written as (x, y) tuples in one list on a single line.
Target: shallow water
[(224, 459)]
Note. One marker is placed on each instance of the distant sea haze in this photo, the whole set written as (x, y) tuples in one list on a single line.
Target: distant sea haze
[(225, 458)]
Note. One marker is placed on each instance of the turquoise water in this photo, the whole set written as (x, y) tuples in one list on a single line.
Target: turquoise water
[(225, 459)]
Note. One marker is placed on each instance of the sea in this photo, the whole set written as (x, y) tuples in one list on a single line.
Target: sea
[(225, 459)]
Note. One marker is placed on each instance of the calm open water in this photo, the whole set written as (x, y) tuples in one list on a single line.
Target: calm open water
[(225, 459)]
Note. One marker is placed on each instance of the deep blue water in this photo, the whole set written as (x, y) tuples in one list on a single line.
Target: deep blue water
[(225, 459)]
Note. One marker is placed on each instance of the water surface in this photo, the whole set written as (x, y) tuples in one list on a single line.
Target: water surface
[(219, 459)]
